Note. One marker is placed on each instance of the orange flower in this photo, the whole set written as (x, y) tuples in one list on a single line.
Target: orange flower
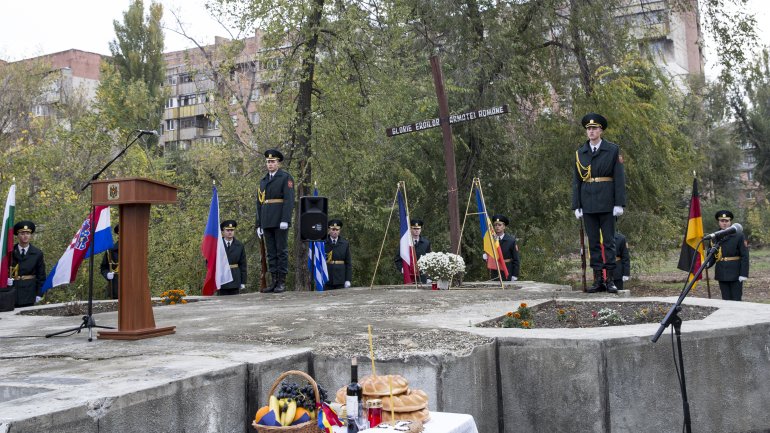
[(523, 305), (509, 314), (517, 315)]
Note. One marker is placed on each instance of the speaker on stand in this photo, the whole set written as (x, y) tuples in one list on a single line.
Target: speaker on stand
[(312, 218)]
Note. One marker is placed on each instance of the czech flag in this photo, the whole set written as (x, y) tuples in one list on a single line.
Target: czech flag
[(406, 244), (6, 237), (213, 250), (316, 260), (79, 249), (492, 248), (690, 259)]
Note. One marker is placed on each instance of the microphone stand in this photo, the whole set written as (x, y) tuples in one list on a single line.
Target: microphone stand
[(88, 319), (672, 318)]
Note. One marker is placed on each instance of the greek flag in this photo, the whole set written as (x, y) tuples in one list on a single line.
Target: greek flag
[(316, 260)]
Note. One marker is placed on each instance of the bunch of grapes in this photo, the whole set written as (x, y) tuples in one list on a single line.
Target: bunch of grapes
[(305, 396)]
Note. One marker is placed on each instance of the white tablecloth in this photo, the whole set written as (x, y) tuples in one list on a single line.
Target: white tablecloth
[(442, 422)]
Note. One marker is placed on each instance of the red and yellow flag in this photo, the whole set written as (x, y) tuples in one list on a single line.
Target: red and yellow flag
[(690, 259)]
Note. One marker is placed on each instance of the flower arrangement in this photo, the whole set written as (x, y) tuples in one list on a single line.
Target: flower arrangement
[(173, 297), (441, 266), (521, 318), (609, 317)]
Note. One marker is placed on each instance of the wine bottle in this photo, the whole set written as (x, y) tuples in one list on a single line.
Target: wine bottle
[(353, 401)]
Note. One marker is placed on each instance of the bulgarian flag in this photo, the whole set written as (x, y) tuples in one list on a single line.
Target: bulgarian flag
[(6, 237), (693, 234), (492, 248)]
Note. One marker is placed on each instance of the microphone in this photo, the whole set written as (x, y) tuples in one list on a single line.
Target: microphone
[(147, 131), (733, 229)]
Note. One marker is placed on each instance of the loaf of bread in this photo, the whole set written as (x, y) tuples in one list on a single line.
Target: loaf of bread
[(422, 416), (413, 400), (381, 385)]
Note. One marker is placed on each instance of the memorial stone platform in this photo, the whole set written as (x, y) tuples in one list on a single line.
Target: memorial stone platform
[(214, 373)]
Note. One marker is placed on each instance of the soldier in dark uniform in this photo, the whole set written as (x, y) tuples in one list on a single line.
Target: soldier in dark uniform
[(27, 266), (421, 246), (236, 256), (599, 195), (622, 261), (275, 203), (732, 260), (338, 260), (110, 268), (508, 246)]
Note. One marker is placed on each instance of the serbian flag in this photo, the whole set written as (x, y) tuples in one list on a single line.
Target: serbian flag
[(316, 260), (406, 244), (213, 249), (6, 237), (492, 248), (693, 234), (79, 248)]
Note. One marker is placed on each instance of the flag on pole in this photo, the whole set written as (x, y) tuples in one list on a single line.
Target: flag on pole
[(406, 244), (79, 249), (6, 237), (213, 249), (316, 260), (693, 234), (492, 248)]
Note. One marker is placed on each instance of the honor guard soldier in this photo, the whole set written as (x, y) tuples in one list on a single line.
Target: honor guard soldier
[(508, 246), (622, 261), (27, 266), (110, 268), (732, 260), (421, 246), (338, 260), (275, 204), (598, 196), (236, 256)]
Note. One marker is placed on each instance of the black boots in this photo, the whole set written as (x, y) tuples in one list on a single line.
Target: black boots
[(280, 287), (611, 286), (271, 287), (598, 283)]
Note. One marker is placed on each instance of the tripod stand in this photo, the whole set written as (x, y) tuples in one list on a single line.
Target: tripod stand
[(672, 318), (88, 320)]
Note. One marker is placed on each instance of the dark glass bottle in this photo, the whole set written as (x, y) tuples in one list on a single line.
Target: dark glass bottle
[(354, 401)]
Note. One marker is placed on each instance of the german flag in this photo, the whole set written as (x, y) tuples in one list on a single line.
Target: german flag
[(693, 234)]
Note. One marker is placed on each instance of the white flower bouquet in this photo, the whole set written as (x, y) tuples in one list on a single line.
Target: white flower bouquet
[(441, 266)]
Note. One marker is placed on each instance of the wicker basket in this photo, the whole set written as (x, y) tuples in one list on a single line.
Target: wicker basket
[(306, 427)]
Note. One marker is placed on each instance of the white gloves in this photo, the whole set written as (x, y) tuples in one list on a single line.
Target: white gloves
[(38, 299), (260, 232), (617, 211), (10, 282), (742, 279), (514, 278), (428, 281), (579, 213), (485, 256), (243, 286), (347, 284), (283, 226), (626, 277), (110, 275)]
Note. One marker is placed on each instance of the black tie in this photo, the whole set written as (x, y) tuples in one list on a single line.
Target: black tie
[(593, 150), (23, 252), (228, 244)]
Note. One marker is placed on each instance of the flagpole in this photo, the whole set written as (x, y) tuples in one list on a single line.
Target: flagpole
[(385, 236), (465, 218), (412, 252), (489, 233)]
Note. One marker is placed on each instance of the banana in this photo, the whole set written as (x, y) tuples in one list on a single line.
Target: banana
[(291, 411), (273, 404), (283, 419)]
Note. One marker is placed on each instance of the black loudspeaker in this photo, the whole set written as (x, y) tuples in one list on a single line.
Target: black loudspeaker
[(312, 218)]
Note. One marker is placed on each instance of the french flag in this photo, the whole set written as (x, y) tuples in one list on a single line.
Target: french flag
[(213, 249), (79, 249), (406, 244)]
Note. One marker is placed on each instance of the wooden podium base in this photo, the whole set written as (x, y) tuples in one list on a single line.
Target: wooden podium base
[(136, 334)]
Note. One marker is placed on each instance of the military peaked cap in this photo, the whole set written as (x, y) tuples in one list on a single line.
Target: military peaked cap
[(724, 214), (417, 223), (335, 223), (500, 218), (593, 119), (228, 224), (273, 154), (24, 226)]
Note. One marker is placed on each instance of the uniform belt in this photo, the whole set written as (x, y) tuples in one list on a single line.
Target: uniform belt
[(273, 200), (25, 277), (507, 260), (234, 266), (730, 259), (335, 262), (599, 179)]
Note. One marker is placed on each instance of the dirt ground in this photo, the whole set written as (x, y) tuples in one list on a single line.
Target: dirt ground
[(755, 289)]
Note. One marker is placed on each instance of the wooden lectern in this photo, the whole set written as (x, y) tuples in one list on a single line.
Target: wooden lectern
[(134, 197)]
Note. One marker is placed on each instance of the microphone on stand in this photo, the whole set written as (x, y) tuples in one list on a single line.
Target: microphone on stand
[(733, 229), (147, 131)]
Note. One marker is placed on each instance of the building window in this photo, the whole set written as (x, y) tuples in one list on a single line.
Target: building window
[(750, 175), (185, 78), (170, 102), (171, 124), (255, 94), (185, 100)]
